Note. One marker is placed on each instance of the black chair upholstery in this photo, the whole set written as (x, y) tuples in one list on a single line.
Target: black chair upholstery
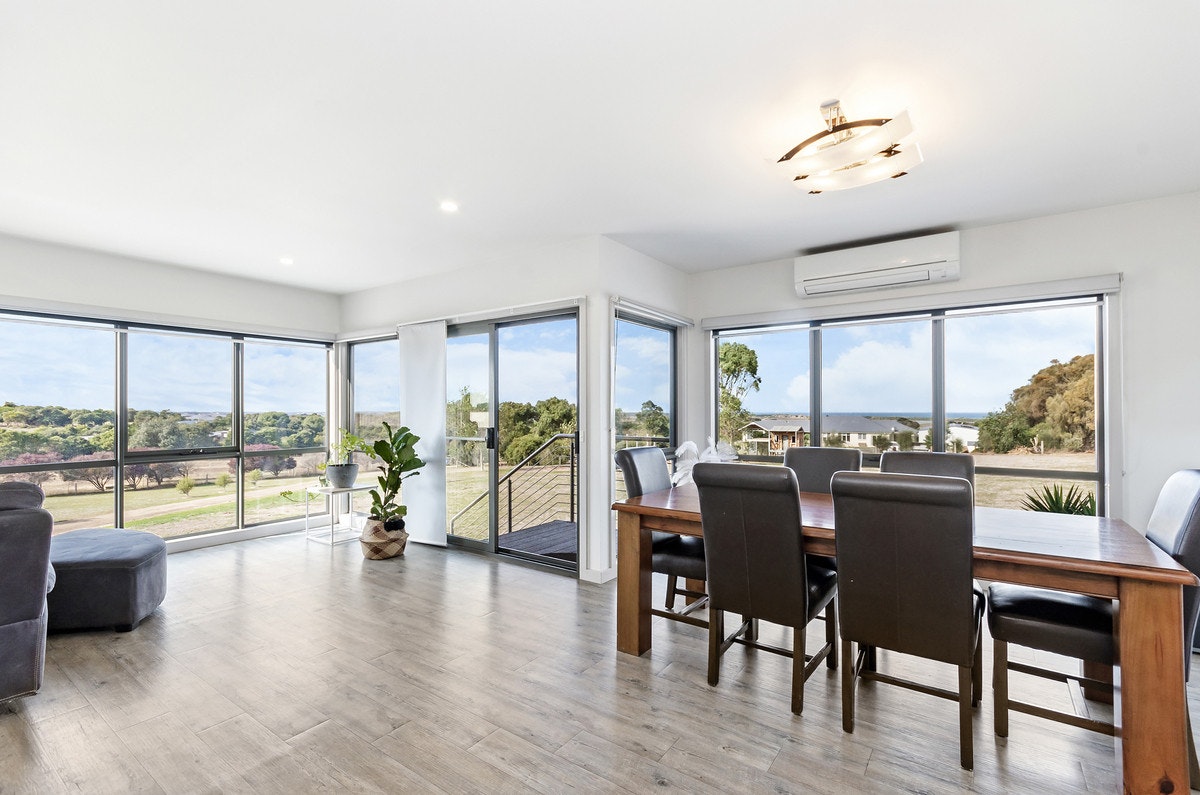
[(814, 468), (757, 566), (1082, 627), (644, 470), (905, 554), (920, 462)]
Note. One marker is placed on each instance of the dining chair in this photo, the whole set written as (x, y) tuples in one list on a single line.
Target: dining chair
[(644, 470), (1082, 627), (905, 553), (922, 462), (757, 567), (814, 468)]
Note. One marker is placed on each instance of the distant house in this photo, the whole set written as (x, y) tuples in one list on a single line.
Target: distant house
[(968, 434), (774, 435)]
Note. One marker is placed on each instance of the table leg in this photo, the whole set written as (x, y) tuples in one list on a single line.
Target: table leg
[(633, 584), (1151, 702)]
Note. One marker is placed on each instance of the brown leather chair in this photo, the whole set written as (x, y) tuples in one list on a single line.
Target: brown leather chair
[(757, 566), (905, 551), (1080, 626), (814, 468), (921, 462), (645, 470)]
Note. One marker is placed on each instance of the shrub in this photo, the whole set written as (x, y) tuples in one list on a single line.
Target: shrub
[(1052, 499), (185, 485)]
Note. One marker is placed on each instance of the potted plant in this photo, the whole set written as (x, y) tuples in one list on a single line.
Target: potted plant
[(340, 470), (383, 535)]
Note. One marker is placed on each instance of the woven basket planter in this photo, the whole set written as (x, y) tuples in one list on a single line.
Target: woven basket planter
[(379, 543)]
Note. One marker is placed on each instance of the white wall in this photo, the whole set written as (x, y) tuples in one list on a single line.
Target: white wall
[(592, 268), (1155, 244), (46, 277)]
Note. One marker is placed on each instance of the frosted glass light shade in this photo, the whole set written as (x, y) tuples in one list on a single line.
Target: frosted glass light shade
[(878, 168)]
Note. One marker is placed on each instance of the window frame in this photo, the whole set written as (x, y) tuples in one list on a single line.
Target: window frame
[(1098, 299)]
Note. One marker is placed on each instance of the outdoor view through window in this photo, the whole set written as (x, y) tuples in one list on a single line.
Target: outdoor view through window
[(177, 471), (1017, 390)]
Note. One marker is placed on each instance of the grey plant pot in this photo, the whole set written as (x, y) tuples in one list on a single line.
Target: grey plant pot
[(341, 476)]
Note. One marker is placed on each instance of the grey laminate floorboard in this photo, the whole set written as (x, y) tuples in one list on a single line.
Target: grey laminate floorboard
[(280, 666)]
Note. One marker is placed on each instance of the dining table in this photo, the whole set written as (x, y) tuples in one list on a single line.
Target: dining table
[(1092, 555)]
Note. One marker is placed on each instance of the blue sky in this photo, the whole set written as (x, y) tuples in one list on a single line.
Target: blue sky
[(885, 368), (875, 369), (74, 367), (536, 361)]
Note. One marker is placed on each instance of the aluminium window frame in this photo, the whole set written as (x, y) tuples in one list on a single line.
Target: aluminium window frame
[(1099, 299)]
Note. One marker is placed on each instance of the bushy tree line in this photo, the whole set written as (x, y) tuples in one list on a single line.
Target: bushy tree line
[(47, 434), (652, 420), (1057, 409), (524, 427)]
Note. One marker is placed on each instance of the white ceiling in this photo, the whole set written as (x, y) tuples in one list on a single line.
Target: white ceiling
[(227, 134)]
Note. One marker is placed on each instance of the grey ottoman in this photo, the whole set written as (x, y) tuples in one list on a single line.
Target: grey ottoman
[(106, 578)]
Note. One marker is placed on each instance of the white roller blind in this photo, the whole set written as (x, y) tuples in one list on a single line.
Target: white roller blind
[(423, 409)]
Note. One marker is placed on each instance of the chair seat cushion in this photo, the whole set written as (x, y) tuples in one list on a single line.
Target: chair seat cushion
[(1070, 624), (822, 585), (659, 540), (683, 557)]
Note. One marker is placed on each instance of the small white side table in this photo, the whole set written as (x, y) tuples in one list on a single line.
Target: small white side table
[(337, 532)]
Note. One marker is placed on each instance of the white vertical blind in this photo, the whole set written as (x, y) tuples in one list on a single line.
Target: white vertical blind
[(423, 409)]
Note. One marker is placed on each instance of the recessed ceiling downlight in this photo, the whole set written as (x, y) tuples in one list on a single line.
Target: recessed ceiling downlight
[(449, 206)]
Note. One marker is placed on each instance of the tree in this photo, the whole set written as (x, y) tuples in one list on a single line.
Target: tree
[(654, 420), (185, 485), (459, 423), (1057, 406), (223, 480), (832, 440), (738, 366)]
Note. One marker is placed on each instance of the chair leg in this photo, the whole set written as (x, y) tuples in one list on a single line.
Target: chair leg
[(831, 634), (1000, 685), (966, 676), (1193, 764), (716, 637), (799, 644), (751, 633), (849, 675), (672, 586), (977, 673)]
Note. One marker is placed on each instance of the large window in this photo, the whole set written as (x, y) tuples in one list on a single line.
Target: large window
[(167, 430), (1015, 385), (644, 384), (375, 386)]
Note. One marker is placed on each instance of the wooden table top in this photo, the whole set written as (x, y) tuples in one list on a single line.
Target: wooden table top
[(1086, 544)]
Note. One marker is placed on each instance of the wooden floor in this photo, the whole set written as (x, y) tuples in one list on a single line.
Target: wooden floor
[(280, 666)]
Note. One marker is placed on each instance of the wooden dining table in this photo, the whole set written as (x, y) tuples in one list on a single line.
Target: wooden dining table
[(1085, 554)]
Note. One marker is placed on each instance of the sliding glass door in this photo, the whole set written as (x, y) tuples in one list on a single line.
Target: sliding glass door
[(512, 445)]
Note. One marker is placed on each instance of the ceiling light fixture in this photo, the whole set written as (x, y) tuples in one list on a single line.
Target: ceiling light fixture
[(449, 206), (285, 261), (847, 154)]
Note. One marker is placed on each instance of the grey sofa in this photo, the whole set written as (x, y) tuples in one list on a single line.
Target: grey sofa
[(25, 562)]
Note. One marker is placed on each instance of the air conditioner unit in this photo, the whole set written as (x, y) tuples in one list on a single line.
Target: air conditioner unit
[(902, 263)]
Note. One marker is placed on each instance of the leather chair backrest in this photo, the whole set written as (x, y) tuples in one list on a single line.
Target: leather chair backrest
[(644, 469), (904, 550), (920, 462), (1175, 528), (814, 466), (753, 541)]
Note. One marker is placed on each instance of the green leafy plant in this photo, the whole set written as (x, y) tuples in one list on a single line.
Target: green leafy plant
[(397, 452), (347, 445), (1053, 499)]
